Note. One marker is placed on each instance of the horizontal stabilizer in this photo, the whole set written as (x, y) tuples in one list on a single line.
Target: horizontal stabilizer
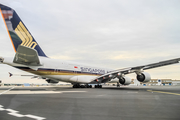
[(26, 56), (32, 76)]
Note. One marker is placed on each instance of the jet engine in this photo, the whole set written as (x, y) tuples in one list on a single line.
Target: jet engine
[(144, 77), (51, 81), (125, 80)]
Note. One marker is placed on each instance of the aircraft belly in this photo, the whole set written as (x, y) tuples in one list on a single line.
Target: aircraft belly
[(72, 78), (63, 78), (82, 78)]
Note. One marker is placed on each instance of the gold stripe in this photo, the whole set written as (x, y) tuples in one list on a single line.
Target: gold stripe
[(57, 73), (164, 92), (24, 35), (24, 32), (33, 45), (21, 37), (30, 43), (28, 35)]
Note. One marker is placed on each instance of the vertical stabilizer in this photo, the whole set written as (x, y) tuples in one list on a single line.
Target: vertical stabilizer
[(17, 31)]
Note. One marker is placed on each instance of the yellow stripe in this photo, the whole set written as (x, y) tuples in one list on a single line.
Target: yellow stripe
[(23, 32), (27, 34), (18, 31), (24, 36), (57, 73), (164, 92), (19, 34), (33, 45)]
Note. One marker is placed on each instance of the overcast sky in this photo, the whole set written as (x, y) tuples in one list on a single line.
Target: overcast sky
[(106, 33)]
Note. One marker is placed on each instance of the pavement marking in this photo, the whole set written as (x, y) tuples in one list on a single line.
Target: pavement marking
[(16, 114), (163, 92), (32, 92), (34, 117), (73, 91), (10, 110), (1, 109), (100, 95), (7, 90), (132, 92), (39, 92)]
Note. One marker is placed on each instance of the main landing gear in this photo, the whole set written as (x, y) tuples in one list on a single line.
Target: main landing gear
[(86, 86), (98, 86), (82, 86)]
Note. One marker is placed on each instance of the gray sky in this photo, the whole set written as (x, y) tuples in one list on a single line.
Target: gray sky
[(106, 33)]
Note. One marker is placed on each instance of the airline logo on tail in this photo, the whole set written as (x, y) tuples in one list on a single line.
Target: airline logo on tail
[(25, 36), (18, 32)]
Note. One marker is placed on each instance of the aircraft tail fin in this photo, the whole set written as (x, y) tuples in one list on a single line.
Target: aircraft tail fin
[(17, 31)]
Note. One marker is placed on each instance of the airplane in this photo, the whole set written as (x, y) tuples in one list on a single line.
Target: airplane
[(30, 57)]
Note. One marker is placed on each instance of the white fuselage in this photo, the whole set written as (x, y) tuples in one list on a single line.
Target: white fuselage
[(61, 70)]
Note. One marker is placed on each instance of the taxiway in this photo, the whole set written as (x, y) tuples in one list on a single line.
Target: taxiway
[(107, 103)]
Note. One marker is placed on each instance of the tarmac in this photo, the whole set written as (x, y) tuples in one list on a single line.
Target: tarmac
[(107, 103)]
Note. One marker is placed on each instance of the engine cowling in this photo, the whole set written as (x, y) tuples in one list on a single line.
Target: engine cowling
[(51, 81), (144, 77), (125, 80)]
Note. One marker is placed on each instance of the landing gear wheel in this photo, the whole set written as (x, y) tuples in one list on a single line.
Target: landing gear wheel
[(83, 86), (98, 86), (76, 86)]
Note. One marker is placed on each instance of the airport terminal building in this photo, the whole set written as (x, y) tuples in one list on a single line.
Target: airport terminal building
[(153, 82)]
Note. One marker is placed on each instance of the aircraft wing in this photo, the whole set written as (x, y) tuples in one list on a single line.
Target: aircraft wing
[(138, 69)]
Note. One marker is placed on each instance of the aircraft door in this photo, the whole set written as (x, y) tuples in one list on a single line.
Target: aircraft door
[(55, 71)]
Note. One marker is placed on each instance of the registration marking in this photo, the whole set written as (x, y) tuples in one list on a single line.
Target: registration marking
[(163, 92)]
